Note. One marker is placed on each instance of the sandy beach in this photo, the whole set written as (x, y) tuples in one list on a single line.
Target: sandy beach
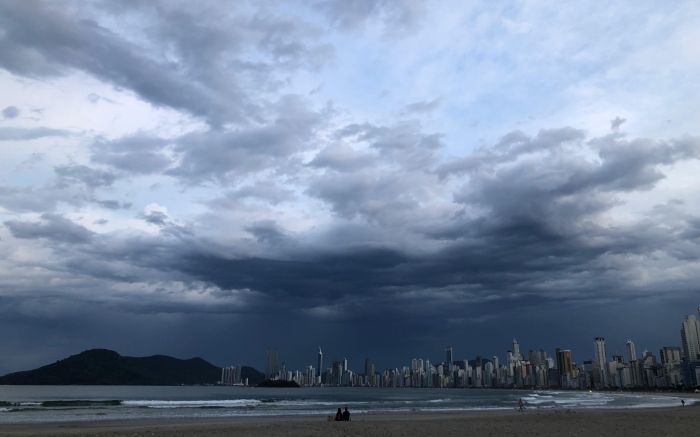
[(658, 422)]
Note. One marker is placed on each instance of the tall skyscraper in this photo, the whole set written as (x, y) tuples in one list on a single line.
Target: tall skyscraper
[(690, 338), (448, 356), (319, 364), (631, 351), (272, 366), (601, 363), (516, 350), (564, 363), (369, 367), (670, 355)]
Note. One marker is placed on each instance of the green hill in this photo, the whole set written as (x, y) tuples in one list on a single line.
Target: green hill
[(106, 367)]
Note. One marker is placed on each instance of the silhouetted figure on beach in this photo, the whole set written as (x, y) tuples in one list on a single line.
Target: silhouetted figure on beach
[(346, 415), (682, 402), (339, 416), (521, 404)]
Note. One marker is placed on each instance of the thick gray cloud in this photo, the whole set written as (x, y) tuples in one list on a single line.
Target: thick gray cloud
[(51, 227), (216, 155), (205, 75), (133, 154)]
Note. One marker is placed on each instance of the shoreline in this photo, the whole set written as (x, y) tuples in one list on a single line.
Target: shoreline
[(619, 422)]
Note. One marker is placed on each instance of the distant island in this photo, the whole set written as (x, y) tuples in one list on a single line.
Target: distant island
[(107, 367)]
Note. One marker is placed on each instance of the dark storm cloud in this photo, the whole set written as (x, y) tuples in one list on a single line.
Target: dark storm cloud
[(23, 134), (201, 73), (522, 230), (10, 112), (51, 227), (522, 243), (269, 233)]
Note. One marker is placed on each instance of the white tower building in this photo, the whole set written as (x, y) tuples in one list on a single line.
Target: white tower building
[(631, 351)]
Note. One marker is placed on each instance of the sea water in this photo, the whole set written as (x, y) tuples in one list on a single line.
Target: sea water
[(21, 404)]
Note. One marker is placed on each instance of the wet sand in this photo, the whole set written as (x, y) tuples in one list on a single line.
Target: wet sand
[(657, 422)]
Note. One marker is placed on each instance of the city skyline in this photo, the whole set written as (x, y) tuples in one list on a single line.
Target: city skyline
[(380, 178), (675, 365)]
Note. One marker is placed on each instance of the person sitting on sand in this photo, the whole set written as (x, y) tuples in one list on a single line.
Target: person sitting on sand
[(339, 416), (346, 415)]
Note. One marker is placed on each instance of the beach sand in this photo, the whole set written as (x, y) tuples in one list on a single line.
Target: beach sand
[(657, 422)]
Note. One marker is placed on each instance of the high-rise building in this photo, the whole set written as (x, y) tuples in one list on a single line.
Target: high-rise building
[(319, 366), (670, 355), (516, 350), (631, 351), (671, 361), (690, 338), (272, 366), (564, 363), (538, 357), (448, 356), (600, 363)]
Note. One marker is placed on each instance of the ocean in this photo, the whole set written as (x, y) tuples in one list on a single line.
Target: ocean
[(26, 404)]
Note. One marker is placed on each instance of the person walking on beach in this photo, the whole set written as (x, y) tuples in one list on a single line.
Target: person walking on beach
[(682, 402), (521, 404), (346, 415), (339, 416)]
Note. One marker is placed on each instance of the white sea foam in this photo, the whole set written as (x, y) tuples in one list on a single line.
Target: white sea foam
[(233, 403)]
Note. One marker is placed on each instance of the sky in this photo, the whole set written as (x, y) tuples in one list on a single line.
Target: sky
[(379, 178)]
